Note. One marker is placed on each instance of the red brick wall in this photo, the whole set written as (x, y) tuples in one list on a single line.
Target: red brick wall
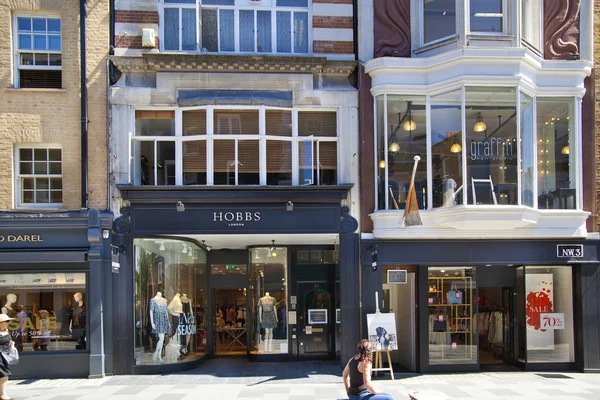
[(327, 46), (332, 22), (138, 17), (132, 42)]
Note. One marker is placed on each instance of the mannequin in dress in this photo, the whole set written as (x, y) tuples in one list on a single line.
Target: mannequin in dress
[(7, 309), (77, 324), (267, 317), (159, 320), (175, 309)]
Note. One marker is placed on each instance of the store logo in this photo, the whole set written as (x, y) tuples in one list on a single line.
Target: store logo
[(21, 239), (569, 250), (492, 149), (236, 218)]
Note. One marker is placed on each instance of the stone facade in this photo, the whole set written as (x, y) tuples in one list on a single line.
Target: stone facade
[(52, 116)]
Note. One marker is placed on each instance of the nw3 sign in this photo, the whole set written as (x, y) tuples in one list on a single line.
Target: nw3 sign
[(569, 250)]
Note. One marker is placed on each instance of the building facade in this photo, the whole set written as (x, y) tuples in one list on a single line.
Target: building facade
[(497, 100), (234, 130), (54, 220)]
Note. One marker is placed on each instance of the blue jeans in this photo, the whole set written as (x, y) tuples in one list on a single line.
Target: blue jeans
[(371, 396)]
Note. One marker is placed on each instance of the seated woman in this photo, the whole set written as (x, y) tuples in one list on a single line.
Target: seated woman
[(357, 375)]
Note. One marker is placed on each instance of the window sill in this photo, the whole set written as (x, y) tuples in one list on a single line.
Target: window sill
[(491, 37), (37, 90), (436, 44)]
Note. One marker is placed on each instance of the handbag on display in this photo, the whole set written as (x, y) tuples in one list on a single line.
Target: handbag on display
[(433, 300), (440, 324), (10, 354), (454, 296)]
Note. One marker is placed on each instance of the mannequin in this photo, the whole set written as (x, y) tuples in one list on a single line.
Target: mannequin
[(267, 317), (7, 309), (159, 319), (77, 325), (187, 311), (175, 309)]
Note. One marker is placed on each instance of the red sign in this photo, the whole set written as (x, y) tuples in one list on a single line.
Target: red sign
[(441, 318), (552, 321)]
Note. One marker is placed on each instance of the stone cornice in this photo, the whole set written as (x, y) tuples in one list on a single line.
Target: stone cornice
[(169, 62)]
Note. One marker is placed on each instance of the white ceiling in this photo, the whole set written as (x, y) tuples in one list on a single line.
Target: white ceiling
[(242, 241)]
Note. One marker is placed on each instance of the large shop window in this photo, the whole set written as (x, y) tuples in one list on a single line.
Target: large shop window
[(268, 294), (235, 147), (280, 26), (493, 146), (49, 310), (546, 331), (452, 316), (170, 301)]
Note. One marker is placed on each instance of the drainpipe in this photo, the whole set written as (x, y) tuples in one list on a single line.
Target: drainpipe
[(84, 111), (355, 27), (109, 68)]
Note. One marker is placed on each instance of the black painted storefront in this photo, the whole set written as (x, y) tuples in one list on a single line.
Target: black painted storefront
[(152, 212), (490, 254), (64, 242)]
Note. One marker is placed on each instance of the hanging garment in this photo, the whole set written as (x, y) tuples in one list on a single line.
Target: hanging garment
[(269, 320), (160, 316)]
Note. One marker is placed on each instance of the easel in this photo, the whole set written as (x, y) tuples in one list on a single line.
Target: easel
[(378, 361)]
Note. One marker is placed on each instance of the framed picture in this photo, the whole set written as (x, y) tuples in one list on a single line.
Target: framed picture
[(317, 316), (381, 328)]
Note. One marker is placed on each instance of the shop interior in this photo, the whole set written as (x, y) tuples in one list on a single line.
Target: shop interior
[(230, 321)]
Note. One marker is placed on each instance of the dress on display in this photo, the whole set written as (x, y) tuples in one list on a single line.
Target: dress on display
[(160, 316), (269, 321)]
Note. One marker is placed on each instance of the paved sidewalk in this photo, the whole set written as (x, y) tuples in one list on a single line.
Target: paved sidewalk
[(239, 379)]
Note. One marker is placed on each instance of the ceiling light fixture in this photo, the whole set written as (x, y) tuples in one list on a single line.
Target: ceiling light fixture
[(479, 126), (207, 247), (565, 150), (273, 250)]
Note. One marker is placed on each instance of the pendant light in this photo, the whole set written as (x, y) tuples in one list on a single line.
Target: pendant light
[(565, 150), (479, 126), (382, 164), (393, 146), (409, 124), (273, 250), (455, 148)]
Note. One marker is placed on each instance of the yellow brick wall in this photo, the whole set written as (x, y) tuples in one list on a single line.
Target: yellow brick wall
[(53, 116)]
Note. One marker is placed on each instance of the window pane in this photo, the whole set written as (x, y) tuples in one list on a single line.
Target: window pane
[(49, 308), (209, 31), (194, 162), (486, 15), (54, 25), (42, 197), (279, 162), (25, 168), (306, 163), (55, 168), (56, 196), (171, 29), (452, 337), (25, 41), (527, 151), (24, 24), (263, 32), (170, 275), (54, 42), (531, 17), (165, 152), (549, 299), (268, 276), (26, 58), (26, 154), (248, 166), (224, 162), (300, 32), (40, 154), (556, 163), (382, 191), (56, 183), (226, 29), (439, 17), (292, 3), (218, 2), (406, 128), (317, 123), (284, 32), (154, 123), (446, 149), (54, 155), (55, 59), (41, 58), (189, 28), (39, 42), (42, 183), (279, 123), (246, 30), (492, 146), (27, 183), (194, 122), (40, 168), (234, 122), (327, 164), (146, 162), (39, 24), (27, 197)]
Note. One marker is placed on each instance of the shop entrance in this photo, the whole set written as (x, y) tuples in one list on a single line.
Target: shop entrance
[(316, 319), (230, 336)]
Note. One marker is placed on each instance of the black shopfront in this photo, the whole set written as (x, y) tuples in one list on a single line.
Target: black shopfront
[(56, 280), (267, 273), (487, 305)]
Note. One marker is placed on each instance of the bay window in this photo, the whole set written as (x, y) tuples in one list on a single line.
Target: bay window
[(487, 16), (234, 146), (484, 146), (278, 26)]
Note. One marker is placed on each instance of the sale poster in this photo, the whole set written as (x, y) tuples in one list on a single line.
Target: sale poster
[(539, 301)]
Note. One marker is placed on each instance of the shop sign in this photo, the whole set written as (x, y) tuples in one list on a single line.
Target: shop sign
[(569, 250), (492, 148), (21, 238), (317, 316), (292, 317), (552, 321)]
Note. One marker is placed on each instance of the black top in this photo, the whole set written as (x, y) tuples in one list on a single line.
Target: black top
[(357, 386)]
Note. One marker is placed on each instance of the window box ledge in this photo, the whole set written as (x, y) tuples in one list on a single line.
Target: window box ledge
[(493, 37), (436, 44), (37, 90), (483, 222)]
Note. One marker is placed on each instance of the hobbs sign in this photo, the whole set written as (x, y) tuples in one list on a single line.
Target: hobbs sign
[(236, 218)]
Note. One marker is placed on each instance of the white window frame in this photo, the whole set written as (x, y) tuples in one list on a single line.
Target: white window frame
[(17, 52), (17, 175), (575, 124), (420, 6), (211, 137), (524, 41), (273, 8), (505, 17)]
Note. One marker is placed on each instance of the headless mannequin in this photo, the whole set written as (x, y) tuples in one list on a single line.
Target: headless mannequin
[(161, 336), (266, 314), (176, 309), (185, 302), (7, 308)]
